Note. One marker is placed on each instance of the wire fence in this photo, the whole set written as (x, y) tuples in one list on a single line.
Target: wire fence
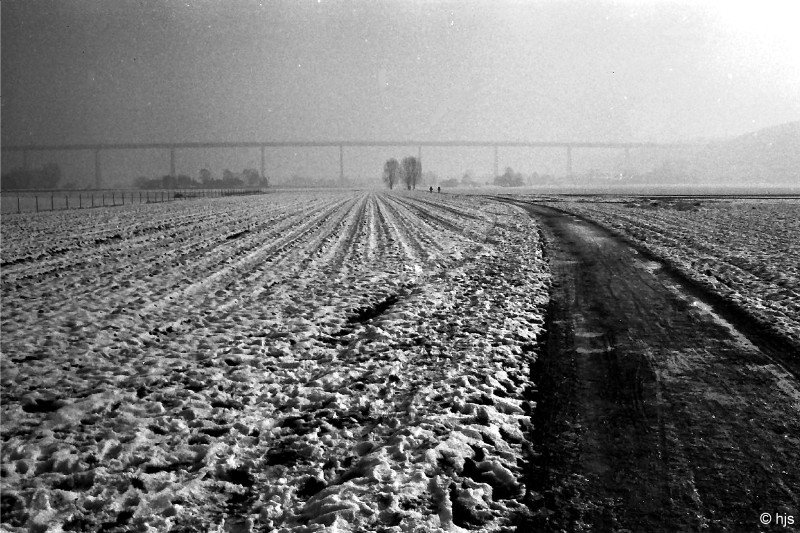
[(60, 200)]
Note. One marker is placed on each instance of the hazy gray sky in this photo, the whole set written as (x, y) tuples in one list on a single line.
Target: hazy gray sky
[(119, 71)]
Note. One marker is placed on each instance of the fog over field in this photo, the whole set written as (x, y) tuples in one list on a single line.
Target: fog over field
[(131, 72), (399, 267)]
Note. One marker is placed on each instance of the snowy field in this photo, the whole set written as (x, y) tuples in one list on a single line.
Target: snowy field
[(341, 361), (747, 251)]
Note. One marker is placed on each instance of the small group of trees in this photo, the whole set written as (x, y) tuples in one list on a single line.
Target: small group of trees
[(510, 179), (247, 178), (467, 180), (46, 177), (408, 172)]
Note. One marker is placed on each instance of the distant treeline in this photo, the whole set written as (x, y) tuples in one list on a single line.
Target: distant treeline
[(247, 178), (46, 177), (508, 179)]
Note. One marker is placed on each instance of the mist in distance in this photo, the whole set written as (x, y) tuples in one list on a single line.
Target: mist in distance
[(122, 71)]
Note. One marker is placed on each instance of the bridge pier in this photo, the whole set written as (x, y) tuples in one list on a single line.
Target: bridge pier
[(98, 177), (341, 163), (263, 162), (628, 170), (569, 160)]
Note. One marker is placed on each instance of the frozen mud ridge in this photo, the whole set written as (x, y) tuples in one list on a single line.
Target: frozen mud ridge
[(291, 362)]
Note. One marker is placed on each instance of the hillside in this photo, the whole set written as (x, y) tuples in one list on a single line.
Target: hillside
[(770, 156)]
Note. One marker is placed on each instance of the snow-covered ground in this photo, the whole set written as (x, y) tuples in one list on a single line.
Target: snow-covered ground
[(292, 362), (746, 250)]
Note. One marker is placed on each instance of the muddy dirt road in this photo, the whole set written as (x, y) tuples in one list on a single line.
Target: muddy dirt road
[(655, 413)]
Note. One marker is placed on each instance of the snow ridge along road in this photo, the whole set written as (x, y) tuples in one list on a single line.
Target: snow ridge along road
[(291, 362)]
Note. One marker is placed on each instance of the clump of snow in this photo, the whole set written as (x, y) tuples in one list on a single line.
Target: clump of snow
[(354, 360)]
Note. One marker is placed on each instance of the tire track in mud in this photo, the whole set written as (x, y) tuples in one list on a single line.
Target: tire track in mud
[(667, 229), (654, 413), (734, 295)]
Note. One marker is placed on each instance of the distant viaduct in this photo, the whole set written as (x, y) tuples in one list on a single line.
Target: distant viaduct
[(172, 147)]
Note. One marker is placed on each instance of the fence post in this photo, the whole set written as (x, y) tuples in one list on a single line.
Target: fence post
[(51, 203), (113, 200), (67, 197), (104, 199), (80, 202), (18, 209), (92, 199), (37, 203)]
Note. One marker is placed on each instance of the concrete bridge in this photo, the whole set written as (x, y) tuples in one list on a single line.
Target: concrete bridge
[(568, 146)]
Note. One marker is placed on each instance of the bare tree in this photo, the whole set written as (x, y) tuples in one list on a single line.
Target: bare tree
[(412, 171), (391, 172), (205, 176)]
